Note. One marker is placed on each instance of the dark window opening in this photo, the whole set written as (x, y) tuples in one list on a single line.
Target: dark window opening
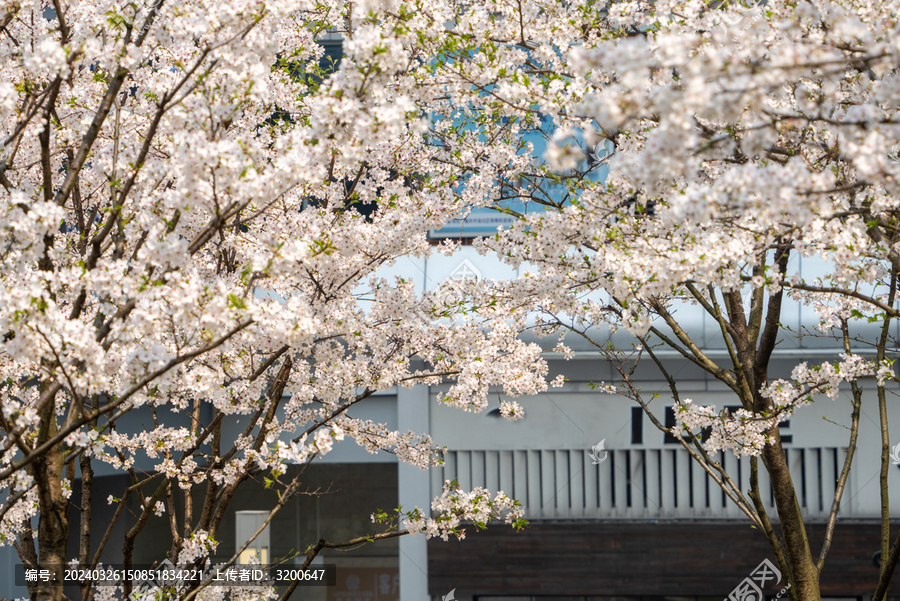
[(637, 425)]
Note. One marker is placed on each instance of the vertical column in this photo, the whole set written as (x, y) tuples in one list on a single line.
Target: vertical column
[(413, 491)]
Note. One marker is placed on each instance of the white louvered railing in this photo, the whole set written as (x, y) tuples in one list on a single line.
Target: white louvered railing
[(634, 483)]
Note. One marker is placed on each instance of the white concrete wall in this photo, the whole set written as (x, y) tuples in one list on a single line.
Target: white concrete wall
[(546, 456)]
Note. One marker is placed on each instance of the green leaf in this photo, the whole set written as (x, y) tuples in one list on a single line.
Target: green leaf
[(236, 302)]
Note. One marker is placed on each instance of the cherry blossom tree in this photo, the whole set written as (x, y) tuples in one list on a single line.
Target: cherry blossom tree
[(194, 214), (738, 137)]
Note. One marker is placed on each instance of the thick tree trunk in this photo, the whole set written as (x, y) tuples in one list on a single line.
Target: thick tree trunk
[(805, 574), (53, 524)]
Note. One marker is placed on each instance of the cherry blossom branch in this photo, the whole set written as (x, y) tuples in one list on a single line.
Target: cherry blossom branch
[(284, 497), (15, 498), (696, 355), (37, 452), (363, 395), (883, 422), (698, 453), (845, 292), (323, 544), (856, 392)]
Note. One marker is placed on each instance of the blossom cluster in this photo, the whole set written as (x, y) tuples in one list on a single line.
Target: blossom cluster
[(742, 431), (747, 432), (196, 216), (185, 221), (825, 378), (455, 507)]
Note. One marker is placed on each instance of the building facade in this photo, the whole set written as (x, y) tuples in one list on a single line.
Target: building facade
[(637, 520)]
